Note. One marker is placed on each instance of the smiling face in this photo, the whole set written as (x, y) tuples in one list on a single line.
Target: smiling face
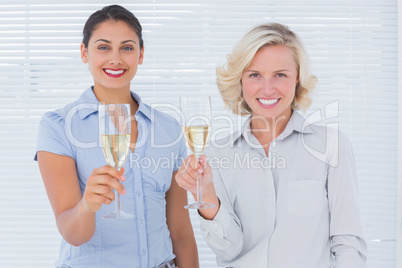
[(269, 82), (113, 55)]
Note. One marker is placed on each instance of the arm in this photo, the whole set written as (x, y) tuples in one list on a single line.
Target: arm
[(348, 243), (181, 231), (74, 213), (220, 226)]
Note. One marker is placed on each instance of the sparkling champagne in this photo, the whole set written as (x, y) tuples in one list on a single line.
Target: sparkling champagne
[(197, 137), (115, 148)]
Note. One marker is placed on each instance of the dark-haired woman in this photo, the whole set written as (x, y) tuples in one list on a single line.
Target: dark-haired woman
[(80, 185)]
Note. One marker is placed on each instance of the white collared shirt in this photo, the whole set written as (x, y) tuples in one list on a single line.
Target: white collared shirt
[(298, 207)]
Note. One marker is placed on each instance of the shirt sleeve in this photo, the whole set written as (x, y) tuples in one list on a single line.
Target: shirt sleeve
[(182, 149), (52, 136), (348, 243), (224, 233)]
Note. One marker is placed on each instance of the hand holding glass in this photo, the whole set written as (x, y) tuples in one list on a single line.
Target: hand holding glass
[(197, 126), (114, 131)]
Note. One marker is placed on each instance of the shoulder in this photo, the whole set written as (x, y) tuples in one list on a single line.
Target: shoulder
[(327, 143), (53, 133), (328, 133), (160, 117), (58, 117), (224, 145), (165, 129)]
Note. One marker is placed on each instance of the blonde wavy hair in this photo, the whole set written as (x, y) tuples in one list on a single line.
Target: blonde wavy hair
[(265, 35)]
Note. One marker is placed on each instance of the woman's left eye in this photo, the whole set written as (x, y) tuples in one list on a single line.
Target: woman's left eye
[(127, 48), (280, 75)]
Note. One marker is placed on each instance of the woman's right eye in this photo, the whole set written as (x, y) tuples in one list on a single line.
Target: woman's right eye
[(254, 75), (102, 47)]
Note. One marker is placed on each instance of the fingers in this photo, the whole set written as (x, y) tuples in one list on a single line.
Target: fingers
[(111, 171), (100, 185), (107, 176), (191, 162), (203, 162), (205, 167), (186, 176), (189, 168), (99, 194)]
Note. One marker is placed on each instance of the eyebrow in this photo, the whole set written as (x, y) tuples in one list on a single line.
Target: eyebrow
[(108, 42), (283, 70)]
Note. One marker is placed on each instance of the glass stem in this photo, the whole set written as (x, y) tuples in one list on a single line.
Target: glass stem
[(117, 199), (199, 185), (117, 202)]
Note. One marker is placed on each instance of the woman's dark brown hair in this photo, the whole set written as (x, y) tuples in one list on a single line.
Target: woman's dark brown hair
[(113, 12)]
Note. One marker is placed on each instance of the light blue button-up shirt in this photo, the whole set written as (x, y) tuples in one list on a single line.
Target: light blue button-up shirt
[(143, 241)]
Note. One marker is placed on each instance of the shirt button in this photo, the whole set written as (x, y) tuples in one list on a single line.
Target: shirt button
[(138, 194), (141, 223), (143, 252)]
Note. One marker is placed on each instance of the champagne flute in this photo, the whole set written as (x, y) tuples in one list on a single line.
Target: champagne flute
[(114, 131), (197, 126)]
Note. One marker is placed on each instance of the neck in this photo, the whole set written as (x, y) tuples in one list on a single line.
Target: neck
[(109, 96), (268, 129), (116, 96)]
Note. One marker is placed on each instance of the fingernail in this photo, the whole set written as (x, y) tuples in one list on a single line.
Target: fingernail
[(123, 192), (123, 178)]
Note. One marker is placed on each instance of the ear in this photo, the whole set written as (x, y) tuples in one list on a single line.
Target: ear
[(84, 53), (141, 58)]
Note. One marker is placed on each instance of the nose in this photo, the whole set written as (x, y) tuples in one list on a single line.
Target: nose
[(115, 58), (268, 86)]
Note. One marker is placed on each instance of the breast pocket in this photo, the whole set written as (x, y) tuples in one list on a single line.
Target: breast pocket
[(306, 198)]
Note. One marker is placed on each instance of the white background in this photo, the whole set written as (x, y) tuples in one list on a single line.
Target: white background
[(353, 45)]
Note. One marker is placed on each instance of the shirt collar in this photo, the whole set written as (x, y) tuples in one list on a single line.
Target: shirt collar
[(88, 104), (296, 123), (142, 107)]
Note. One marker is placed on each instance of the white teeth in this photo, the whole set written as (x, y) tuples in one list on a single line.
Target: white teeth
[(114, 72), (268, 102)]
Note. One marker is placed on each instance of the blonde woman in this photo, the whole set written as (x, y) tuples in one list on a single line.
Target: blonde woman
[(278, 204)]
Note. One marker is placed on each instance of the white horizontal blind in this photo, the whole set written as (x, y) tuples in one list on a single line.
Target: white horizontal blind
[(353, 46)]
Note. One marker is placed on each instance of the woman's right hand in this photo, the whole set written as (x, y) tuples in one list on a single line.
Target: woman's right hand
[(100, 185), (75, 211), (186, 176)]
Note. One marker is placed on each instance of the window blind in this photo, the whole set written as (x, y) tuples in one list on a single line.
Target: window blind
[(352, 44)]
